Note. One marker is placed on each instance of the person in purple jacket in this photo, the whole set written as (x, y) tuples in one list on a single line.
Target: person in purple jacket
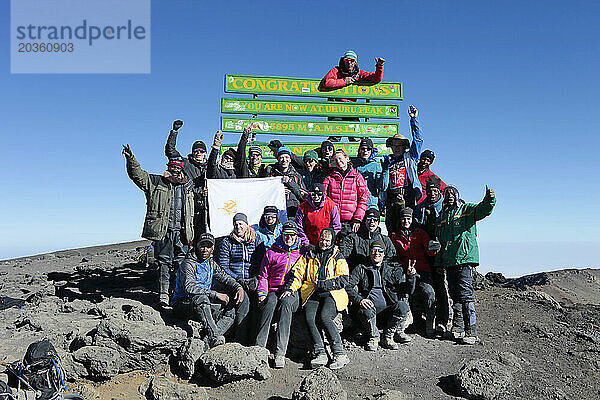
[(276, 264)]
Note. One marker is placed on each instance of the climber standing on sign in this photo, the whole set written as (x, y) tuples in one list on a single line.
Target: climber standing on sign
[(346, 73)]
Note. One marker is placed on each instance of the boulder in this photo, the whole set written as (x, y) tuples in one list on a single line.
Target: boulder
[(232, 361), (188, 355), (100, 362), (483, 379), (321, 384), (541, 298), (161, 388)]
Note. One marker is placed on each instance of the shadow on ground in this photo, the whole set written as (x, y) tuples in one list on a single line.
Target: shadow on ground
[(133, 281)]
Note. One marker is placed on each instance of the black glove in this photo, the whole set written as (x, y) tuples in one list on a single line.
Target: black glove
[(274, 145)]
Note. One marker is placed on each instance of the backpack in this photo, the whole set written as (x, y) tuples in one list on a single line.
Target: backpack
[(41, 371)]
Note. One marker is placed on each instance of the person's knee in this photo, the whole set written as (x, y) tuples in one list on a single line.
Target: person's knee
[(401, 308), (288, 304)]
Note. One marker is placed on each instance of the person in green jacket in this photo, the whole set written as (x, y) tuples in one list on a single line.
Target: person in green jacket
[(457, 233), (169, 217)]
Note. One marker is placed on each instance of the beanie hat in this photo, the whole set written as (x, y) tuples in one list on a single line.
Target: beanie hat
[(176, 161), (372, 213), (284, 150), (318, 187), (311, 155), (433, 181), (454, 189), (198, 144), (240, 217), (428, 154), (255, 149), (270, 210), (377, 243), (350, 54), (289, 227), (407, 212), (229, 153), (366, 142), (326, 143)]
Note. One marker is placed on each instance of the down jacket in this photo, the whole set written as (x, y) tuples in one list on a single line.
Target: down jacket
[(306, 274), (238, 259), (349, 192), (275, 265)]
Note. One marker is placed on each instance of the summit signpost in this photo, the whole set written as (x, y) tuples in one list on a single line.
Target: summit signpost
[(304, 108), (309, 128), (274, 85)]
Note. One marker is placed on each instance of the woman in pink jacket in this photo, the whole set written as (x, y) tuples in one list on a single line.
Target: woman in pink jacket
[(348, 189), (276, 264)]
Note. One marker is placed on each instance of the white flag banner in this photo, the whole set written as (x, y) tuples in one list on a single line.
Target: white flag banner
[(226, 197)]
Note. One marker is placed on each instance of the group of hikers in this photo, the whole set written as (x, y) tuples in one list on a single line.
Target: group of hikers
[(330, 256)]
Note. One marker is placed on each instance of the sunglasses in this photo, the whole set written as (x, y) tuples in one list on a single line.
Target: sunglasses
[(377, 251), (372, 219), (227, 159), (289, 233), (199, 151)]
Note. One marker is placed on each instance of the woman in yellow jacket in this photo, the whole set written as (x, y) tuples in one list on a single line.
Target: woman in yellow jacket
[(321, 276)]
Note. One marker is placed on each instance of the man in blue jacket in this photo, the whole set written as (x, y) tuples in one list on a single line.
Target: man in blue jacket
[(200, 291)]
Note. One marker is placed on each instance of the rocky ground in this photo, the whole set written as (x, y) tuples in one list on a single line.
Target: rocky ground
[(540, 339)]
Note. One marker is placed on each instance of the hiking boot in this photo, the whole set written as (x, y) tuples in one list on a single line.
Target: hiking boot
[(469, 340), (403, 337), (372, 344), (455, 335), (388, 343), (217, 341), (429, 323), (339, 361), (279, 361), (440, 329), (319, 361)]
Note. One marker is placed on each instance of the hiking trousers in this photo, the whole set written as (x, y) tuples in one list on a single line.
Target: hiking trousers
[(285, 308), (169, 253)]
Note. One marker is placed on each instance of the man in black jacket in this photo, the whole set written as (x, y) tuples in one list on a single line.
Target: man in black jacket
[(194, 167), (199, 291), (355, 247), (381, 288)]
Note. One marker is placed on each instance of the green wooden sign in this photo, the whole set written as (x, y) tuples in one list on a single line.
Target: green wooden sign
[(309, 128), (274, 85), (303, 108), (351, 148)]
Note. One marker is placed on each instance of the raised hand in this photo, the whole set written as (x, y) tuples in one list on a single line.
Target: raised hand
[(380, 61), (489, 192), (177, 124), (127, 151), (413, 112), (411, 267), (218, 141)]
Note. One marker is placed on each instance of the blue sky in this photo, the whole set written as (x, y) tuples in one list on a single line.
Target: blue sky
[(507, 94)]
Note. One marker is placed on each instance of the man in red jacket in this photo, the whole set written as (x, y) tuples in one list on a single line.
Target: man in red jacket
[(426, 159), (346, 73)]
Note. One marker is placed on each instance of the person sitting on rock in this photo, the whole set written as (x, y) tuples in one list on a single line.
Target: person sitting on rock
[(321, 276), (317, 213), (380, 288), (239, 258), (413, 243), (169, 217), (196, 295), (355, 247), (459, 255), (276, 264), (269, 227)]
